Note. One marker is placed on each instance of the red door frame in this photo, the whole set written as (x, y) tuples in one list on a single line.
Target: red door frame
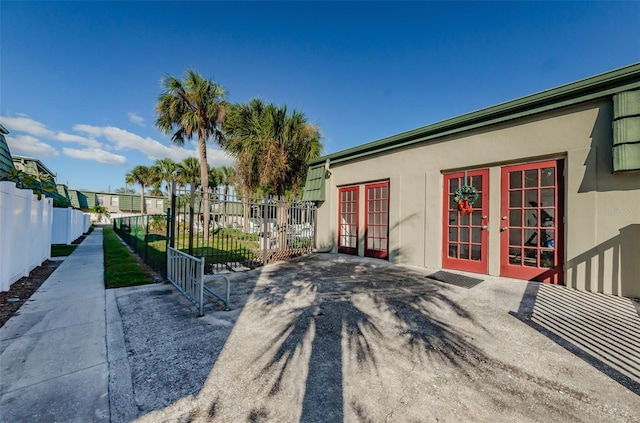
[(479, 222), (348, 249), (382, 253), (553, 274)]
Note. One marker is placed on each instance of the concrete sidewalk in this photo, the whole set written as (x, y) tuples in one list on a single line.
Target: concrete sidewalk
[(53, 354)]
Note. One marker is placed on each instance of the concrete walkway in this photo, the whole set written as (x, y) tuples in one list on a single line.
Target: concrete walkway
[(53, 354)]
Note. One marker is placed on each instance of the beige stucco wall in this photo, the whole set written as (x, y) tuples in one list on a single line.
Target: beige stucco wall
[(602, 210)]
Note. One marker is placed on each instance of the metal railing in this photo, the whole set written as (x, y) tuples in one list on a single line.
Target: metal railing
[(186, 273)]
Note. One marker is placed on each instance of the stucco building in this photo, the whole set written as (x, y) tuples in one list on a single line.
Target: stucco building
[(552, 182)]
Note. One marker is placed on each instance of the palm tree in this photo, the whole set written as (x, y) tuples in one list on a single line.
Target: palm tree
[(144, 176), (100, 212), (165, 169), (272, 148), (189, 172), (193, 107), (227, 178)]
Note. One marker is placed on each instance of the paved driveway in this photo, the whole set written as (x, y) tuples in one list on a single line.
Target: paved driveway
[(329, 338)]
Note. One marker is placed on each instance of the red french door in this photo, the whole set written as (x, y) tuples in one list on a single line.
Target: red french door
[(348, 220), (465, 240), (531, 239), (377, 220)]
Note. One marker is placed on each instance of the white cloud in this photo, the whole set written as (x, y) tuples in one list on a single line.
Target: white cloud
[(100, 142), (89, 142), (96, 154), (30, 146), (125, 140), (136, 118), (23, 123)]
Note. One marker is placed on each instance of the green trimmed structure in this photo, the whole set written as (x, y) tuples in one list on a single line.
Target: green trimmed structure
[(6, 163), (557, 178)]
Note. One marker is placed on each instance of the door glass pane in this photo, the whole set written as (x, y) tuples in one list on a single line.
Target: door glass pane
[(453, 205), (453, 250), (548, 177), (515, 237), (515, 217), (464, 220), (453, 234), (453, 218), (476, 252), (476, 235), (476, 182), (383, 244), (547, 197), (515, 256), (531, 218), (531, 198), (370, 244), (453, 185), (547, 258), (515, 199), (384, 192), (476, 218), (531, 178), (547, 217), (464, 234), (547, 238), (478, 203), (515, 179), (531, 237), (530, 257), (464, 251)]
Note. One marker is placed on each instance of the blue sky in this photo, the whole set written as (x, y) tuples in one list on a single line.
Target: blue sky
[(79, 80)]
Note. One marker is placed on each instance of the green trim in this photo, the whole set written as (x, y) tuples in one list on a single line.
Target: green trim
[(595, 87)]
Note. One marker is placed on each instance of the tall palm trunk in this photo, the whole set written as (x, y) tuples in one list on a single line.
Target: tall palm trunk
[(246, 210), (204, 175), (143, 203), (192, 220), (282, 218)]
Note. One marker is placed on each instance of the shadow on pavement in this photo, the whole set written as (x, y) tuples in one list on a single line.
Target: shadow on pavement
[(602, 330), (338, 338)]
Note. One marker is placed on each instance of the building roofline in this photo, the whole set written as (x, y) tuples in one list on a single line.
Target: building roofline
[(14, 157), (598, 86)]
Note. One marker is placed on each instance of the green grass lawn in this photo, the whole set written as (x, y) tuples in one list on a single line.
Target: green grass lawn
[(120, 267), (62, 250)]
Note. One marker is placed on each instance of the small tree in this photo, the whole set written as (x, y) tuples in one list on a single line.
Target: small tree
[(100, 211)]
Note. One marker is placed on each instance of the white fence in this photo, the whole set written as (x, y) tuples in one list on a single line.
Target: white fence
[(68, 225), (25, 232)]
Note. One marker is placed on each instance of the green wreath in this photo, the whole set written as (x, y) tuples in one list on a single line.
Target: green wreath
[(466, 193)]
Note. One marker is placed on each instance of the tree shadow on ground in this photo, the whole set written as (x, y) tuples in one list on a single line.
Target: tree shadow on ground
[(338, 338)]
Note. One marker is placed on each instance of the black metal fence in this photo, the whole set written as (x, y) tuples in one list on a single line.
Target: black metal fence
[(243, 232), (147, 236)]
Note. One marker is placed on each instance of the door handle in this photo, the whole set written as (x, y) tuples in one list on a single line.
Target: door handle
[(484, 227), (502, 229)]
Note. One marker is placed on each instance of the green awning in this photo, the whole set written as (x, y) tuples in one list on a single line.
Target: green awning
[(314, 187)]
